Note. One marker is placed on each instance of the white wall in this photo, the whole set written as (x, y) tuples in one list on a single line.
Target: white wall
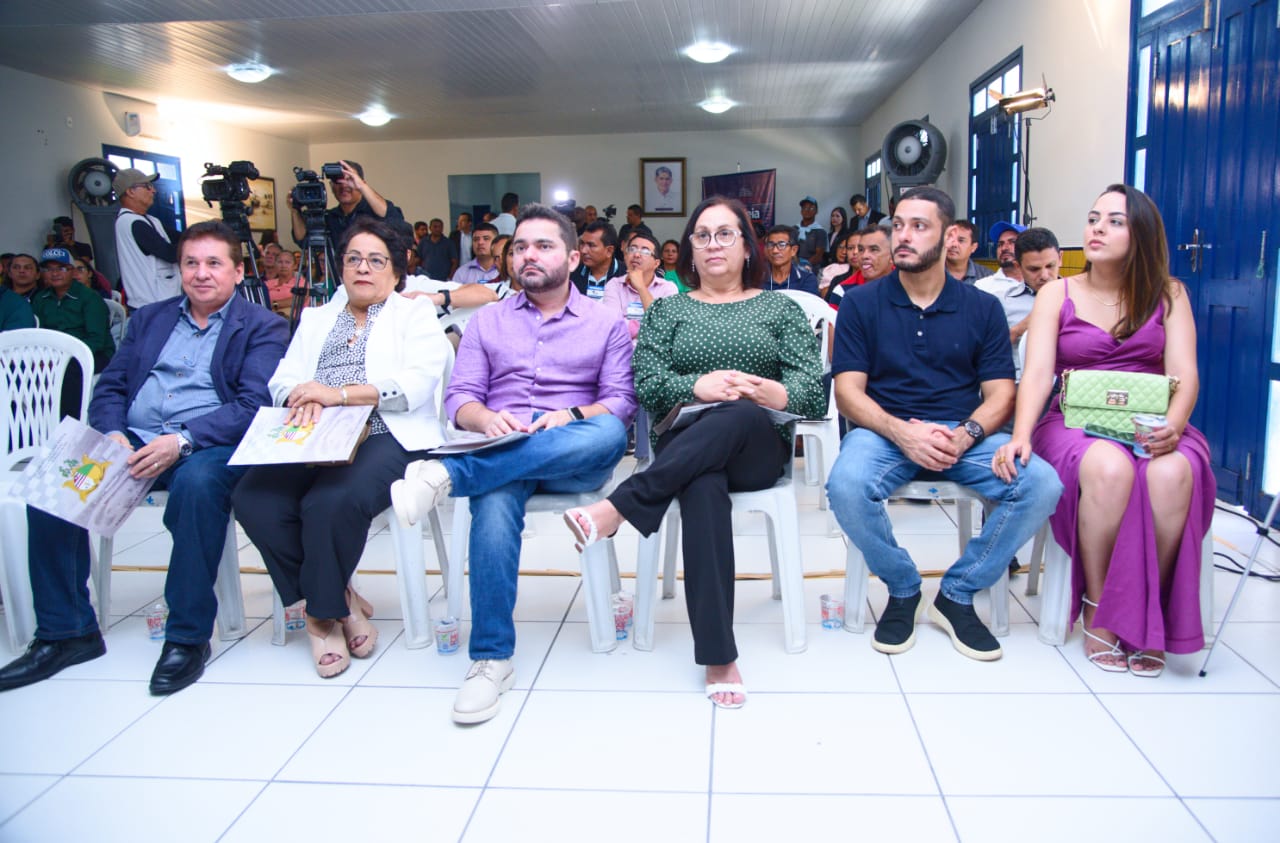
[(605, 169), (50, 126), (1082, 48)]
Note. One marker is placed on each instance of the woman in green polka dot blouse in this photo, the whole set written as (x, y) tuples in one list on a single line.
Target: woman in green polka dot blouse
[(724, 341)]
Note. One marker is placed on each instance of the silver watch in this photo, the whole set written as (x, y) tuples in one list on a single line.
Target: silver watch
[(184, 445)]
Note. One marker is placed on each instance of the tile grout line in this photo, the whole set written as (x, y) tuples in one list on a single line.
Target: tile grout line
[(946, 806), (484, 787)]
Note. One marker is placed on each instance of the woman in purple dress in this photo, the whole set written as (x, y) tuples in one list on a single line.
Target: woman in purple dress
[(1133, 526)]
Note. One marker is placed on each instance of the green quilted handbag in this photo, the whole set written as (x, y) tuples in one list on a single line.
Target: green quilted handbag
[(1108, 401)]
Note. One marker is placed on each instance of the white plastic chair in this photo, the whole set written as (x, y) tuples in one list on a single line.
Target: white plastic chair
[(599, 563), (33, 363), (821, 437), (778, 504), (1055, 605), (119, 320), (856, 572), (411, 563)]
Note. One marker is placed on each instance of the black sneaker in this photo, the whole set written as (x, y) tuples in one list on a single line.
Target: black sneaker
[(896, 631), (1014, 567), (968, 634)]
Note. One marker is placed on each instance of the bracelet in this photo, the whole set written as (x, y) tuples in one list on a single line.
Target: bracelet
[(343, 391)]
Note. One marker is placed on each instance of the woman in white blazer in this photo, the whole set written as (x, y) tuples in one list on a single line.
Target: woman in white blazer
[(367, 347)]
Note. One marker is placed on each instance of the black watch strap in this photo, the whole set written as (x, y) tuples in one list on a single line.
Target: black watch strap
[(576, 412), (448, 300), (974, 429)]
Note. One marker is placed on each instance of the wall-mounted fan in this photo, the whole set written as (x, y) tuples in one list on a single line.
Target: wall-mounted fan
[(89, 184), (914, 154)]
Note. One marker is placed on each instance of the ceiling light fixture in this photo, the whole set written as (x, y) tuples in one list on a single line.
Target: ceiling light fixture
[(708, 52), (375, 116), (250, 72), (716, 104)]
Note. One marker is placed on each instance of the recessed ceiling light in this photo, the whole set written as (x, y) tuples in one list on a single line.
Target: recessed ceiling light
[(708, 52), (251, 72), (375, 116), (717, 105)]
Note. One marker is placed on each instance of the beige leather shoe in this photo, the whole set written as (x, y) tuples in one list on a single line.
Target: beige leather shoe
[(479, 697)]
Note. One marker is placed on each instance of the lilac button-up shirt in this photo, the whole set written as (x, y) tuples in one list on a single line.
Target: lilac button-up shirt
[(513, 358)]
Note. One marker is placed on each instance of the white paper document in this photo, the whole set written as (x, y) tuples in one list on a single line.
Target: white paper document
[(83, 477), (333, 439)]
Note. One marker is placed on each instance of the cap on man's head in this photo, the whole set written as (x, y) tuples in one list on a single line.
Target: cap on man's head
[(126, 179), (56, 255), (1001, 227), (62, 221), (810, 200)]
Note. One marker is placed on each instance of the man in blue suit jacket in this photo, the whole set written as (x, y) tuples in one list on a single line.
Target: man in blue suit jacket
[(180, 392)]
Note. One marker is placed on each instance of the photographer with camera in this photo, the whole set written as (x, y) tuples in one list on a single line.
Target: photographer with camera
[(355, 198), (144, 249)]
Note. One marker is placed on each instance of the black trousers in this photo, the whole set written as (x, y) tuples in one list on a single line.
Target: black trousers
[(731, 448), (311, 522)]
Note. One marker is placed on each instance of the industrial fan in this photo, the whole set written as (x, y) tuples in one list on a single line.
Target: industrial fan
[(914, 154), (89, 184)]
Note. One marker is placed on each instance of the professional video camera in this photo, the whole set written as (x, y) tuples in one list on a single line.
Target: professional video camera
[(308, 194), (609, 211), (229, 183), (317, 270)]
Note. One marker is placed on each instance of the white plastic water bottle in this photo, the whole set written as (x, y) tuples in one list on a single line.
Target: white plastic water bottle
[(156, 617)]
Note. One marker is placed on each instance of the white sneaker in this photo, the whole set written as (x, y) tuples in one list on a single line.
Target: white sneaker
[(479, 697), (426, 483)]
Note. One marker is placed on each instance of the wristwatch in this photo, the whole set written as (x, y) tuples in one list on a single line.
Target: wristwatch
[(184, 445), (576, 412), (974, 429)]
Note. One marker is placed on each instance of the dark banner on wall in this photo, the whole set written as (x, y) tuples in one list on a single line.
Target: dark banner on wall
[(753, 189)]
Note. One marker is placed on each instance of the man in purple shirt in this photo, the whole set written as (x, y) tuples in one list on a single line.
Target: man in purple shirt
[(549, 362)]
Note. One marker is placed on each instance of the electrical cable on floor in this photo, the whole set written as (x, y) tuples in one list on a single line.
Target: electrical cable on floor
[(1235, 566)]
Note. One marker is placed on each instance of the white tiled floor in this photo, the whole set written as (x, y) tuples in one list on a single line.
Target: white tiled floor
[(838, 740)]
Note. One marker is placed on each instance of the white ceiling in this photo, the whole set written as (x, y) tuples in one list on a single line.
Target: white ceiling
[(486, 68)]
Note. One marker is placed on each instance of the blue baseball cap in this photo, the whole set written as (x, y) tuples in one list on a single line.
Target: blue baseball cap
[(56, 255), (810, 200), (1001, 227)]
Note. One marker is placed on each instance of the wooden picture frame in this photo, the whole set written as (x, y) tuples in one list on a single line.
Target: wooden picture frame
[(663, 187), (262, 204)]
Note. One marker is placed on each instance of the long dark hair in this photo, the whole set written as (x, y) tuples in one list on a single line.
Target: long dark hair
[(752, 272), (1146, 268)]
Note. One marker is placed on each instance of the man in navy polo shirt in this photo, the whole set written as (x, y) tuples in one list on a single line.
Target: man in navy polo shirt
[(924, 368)]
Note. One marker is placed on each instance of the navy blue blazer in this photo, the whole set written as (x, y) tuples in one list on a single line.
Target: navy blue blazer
[(250, 345)]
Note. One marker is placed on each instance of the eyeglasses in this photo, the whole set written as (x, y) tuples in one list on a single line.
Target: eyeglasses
[(724, 237), (352, 260), (640, 250), (777, 245)]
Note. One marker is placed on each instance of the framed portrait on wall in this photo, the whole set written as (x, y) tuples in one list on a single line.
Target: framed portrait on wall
[(662, 186), (262, 204)]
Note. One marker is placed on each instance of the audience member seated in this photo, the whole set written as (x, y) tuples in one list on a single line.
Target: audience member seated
[(15, 312), (483, 267), (863, 216), (280, 281), (632, 295), (23, 276), (311, 522), (1005, 236), (182, 420), (71, 308), (839, 230), (839, 265), (670, 255), (962, 242), (598, 245), (852, 276), (577, 411), (727, 341), (1132, 525), (785, 273), (877, 257), (83, 272), (923, 368)]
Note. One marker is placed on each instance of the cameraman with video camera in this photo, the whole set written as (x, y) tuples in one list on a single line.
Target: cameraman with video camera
[(355, 198)]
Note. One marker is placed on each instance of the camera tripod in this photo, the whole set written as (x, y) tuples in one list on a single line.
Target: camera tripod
[(236, 217), (316, 273)]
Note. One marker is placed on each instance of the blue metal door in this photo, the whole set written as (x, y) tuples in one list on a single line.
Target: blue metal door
[(1211, 168), (168, 207)]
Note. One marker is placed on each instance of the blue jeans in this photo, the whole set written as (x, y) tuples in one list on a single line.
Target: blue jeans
[(577, 457), (871, 467), (196, 515)]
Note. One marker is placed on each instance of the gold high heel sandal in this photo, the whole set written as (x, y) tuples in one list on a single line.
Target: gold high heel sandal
[(356, 626)]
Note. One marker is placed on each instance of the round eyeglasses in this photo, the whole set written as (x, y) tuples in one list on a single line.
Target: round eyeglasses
[(724, 237)]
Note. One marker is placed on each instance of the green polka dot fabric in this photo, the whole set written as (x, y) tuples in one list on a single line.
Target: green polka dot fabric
[(682, 339)]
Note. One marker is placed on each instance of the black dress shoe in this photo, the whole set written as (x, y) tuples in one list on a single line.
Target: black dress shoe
[(45, 658), (180, 665)]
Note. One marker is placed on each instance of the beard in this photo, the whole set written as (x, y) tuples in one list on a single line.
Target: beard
[(539, 279), (923, 261), (1005, 259)]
